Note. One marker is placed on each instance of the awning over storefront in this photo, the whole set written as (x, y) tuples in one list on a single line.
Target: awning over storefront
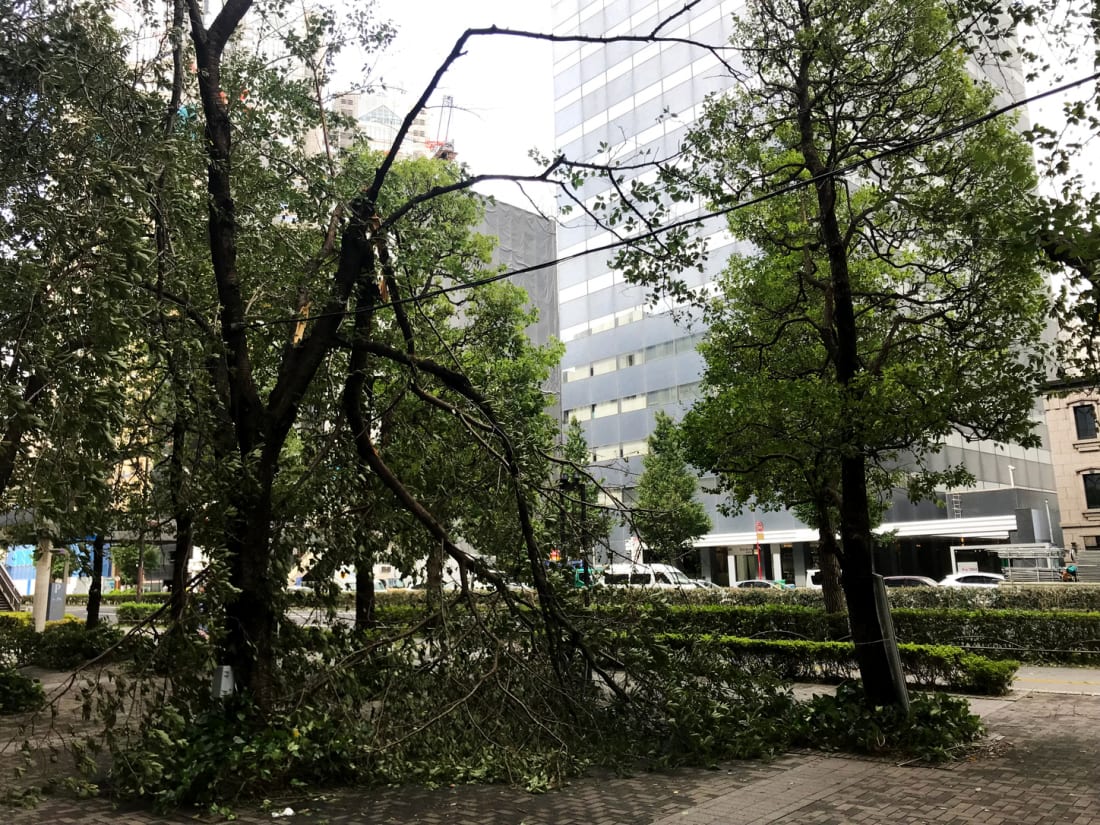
[(988, 527)]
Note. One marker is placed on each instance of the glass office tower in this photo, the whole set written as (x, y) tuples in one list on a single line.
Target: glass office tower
[(626, 358)]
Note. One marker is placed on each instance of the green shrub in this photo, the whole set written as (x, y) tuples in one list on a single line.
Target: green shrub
[(1077, 597), (19, 693), (1061, 636), (17, 639), (934, 729), (120, 597), (936, 667), (135, 612), (68, 644)]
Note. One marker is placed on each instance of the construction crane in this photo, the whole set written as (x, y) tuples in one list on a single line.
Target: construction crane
[(442, 148)]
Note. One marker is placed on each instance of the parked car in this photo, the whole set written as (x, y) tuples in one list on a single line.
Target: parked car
[(647, 575), (972, 579), (758, 583), (908, 581), (707, 584)]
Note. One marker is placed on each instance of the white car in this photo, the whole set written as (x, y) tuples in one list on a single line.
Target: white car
[(972, 579), (757, 584), (647, 575)]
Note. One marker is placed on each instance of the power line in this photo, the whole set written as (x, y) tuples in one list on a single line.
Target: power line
[(695, 219)]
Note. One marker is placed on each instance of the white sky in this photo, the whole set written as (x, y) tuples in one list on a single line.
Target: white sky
[(502, 87)]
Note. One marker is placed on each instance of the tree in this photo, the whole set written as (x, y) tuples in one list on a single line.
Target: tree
[(131, 560), (69, 248), (579, 522), (665, 512), (890, 237)]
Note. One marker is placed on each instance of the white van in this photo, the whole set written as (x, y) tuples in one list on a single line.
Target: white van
[(647, 575)]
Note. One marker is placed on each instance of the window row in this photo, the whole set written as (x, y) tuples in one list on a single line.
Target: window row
[(631, 359), (603, 323), (626, 449), (685, 393)]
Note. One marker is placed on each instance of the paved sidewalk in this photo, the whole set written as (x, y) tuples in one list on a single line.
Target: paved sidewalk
[(1039, 766)]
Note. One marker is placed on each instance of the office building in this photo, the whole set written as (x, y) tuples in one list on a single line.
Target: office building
[(627, 359)]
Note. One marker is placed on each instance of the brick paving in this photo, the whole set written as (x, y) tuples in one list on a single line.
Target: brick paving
[(1039, 766)]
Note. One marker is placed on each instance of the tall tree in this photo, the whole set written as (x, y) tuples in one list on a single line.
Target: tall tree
[(665, 512), (893, 214), (578, 522)]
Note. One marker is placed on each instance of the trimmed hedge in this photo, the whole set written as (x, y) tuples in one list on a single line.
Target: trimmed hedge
[(121, 597), (135, 612), (1058, 636), (1053, 596), (1053, 636), (935, 667)]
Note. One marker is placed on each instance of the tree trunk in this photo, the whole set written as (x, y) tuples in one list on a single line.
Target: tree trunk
[(364, 579), (831, 587), (95, 589), (364, 595), (181, 558), (855, 521), (868, 632), (250, 613), (185, 537), (434, 569), (139, 578)]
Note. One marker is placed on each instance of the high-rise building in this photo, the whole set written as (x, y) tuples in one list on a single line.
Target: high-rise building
[(625, 359)]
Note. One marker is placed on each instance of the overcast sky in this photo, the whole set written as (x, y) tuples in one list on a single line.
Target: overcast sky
[(502, 88)]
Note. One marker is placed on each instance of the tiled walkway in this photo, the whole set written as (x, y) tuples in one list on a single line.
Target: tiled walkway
[(1040, 766)]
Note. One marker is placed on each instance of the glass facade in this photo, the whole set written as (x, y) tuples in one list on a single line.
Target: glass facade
[(626, 356)]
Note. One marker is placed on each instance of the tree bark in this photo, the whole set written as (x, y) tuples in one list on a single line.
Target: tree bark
[(95, 589), (855, 521), (829, 559), (181, 514)]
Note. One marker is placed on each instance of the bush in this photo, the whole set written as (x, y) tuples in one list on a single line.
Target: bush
[(936, 667), (1034, 636), (67, 644), (135, 612), (121, 597), (17, 639), (19, 693), (934, 729), (1078, 597), (1060, 636)]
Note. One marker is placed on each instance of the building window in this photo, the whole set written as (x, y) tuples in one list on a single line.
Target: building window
[(606, 408), (603, 366), (608, 453), (1092, 490), (1084, 417)]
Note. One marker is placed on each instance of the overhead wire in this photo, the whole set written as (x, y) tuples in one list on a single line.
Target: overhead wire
[(703, 216)]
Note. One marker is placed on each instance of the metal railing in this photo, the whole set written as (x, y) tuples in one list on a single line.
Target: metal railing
[(8, 591)]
